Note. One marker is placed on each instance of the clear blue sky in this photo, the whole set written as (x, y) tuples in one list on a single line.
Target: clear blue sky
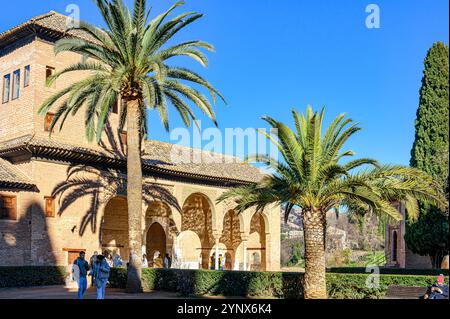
[(275, 55)]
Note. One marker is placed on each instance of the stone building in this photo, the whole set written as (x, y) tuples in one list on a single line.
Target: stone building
[(60, 195), (396, 251)]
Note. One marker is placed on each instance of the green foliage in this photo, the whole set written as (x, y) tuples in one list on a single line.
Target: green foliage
[(313, 177), (430, 148), (296, 254), (130, 60), (341, 282), (266, 284), (29, 276), (429, 234), (389, 271), (347, 256)]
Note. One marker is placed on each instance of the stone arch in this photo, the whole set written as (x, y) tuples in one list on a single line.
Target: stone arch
[(114, 227), (197, 216), (188, 253), (257, 242), (231, 235), (155, 242), (208, 196), (160, 213)]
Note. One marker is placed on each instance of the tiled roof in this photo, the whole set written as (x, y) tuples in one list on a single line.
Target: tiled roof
[(186, 159), (11, 176), (52, 21), (157, 158)]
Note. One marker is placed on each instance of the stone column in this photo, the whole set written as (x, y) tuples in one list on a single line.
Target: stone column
[(244, 248), (216, 266)]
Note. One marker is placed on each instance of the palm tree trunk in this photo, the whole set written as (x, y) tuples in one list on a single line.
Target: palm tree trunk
[(134, 196), (314, 233)]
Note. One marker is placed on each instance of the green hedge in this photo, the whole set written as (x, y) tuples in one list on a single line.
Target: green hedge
[(390, 271), (227, 283), (263, 284), (29, 276)]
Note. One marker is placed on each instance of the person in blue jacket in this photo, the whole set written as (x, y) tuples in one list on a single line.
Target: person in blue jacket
[(101, 275), (80, 271)]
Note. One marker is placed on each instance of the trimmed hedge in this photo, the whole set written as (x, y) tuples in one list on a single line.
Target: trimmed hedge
[(390, 271), (227, 283), (263, 284), (28, 276)]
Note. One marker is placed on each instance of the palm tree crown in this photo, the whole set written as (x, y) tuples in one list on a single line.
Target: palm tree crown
[(313, 177), (128, 61)]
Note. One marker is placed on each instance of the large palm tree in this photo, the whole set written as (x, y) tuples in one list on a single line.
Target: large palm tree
[(127, 60), (313, 177)]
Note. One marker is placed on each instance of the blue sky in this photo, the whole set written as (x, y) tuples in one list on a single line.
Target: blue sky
[(272, 56)]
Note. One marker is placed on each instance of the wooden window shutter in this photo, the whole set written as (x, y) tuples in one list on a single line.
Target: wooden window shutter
[(8, 207), (49, 206), (123, 137), (48, 121)]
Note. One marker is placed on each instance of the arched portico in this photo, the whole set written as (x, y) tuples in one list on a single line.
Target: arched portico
[(159, 231), (197, 216), (114, 227)]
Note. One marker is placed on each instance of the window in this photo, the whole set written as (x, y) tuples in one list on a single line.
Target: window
[(48, 121), (8, 207), (49, 206), (115, 107), (6, 87), (394, 246), (49, 71), (123, 137), (16, 85), (26, 76)]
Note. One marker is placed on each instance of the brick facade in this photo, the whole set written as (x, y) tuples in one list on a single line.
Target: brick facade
[(84, 221)]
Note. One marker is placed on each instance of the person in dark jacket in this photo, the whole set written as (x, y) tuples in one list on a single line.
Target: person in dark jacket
[(439, 290), (81, 269)]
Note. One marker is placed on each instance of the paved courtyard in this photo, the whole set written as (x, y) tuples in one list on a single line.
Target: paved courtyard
[(60, 292)]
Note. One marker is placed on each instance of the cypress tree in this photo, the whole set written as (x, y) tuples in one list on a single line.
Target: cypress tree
[(430, 154)]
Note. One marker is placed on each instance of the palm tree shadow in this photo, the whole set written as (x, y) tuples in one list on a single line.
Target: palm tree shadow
[(101, 183)]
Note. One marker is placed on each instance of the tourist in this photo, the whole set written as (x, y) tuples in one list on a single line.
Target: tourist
[(110, 260), (144, 261), (157, 260), (220, 262), (439, 290), (167, 261), (82, 269), (117, 261), (212, 262), (101, 273)]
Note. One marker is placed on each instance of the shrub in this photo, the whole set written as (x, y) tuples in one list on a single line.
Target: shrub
[(340, 284), (29, 276), (264, 284), (387, 271)]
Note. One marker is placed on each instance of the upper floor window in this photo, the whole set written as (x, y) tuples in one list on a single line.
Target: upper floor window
[(123, 137), (8, 207), (6, 87), (49, 206), (115, 106), (26, 76), (16, 85), (48, 121), (49, 71)]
